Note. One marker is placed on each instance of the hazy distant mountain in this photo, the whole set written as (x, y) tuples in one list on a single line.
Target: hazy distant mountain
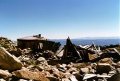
[(98, 38), (90, 40)]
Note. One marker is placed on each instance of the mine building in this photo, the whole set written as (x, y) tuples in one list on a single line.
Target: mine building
[(37, 42)]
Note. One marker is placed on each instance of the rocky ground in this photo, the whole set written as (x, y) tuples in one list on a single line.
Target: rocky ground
[(22, 65)]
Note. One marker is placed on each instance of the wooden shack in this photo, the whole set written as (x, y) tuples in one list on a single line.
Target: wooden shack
[(37, 42)]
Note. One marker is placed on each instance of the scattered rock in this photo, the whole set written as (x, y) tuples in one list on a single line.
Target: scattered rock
[(85, 70), (23, 80), (72, 70), (41, 59), (5, 74), (2, 80), (89, 77), (73, 78), (106, 60), (52, 78), (115, 77), (61, 67), (65, 79), (78, 76)]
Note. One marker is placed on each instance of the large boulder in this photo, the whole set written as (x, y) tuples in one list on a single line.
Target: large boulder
[(103, 68), (31, 75), (8, 61)]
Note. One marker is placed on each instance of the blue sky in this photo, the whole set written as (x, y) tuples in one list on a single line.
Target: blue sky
[(59, 18)]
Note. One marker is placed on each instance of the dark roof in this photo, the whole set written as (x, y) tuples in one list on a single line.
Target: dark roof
[(32, 38)]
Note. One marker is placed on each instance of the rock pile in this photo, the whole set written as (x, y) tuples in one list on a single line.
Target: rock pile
[(40, 70), (26, 67), (7, 44)]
